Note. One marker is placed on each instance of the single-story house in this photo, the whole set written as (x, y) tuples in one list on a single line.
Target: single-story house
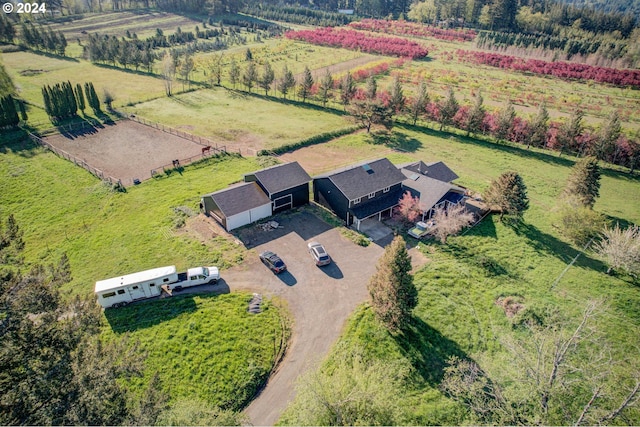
[(237, 205), (431, 183), (361, 191), (286, 185)]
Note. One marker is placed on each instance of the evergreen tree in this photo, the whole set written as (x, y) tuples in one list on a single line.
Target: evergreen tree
[(250, 76), (476, 116), (393, 294), (266, 78), (570, 131), (419, 102), (306, 84), (23, 111), (326, 85), (347, 89), (448, 109), (80, 97), (92, 97), (6, 84), (509, 194), (287, 82), (505, 122), (608, 136), (398, 100), (234, 73), (583, 184), (539, 127)]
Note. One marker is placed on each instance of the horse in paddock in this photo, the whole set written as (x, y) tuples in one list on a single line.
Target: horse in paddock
[(206, 150)]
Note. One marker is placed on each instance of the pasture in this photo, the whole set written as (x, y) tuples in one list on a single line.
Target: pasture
[(239, 120)]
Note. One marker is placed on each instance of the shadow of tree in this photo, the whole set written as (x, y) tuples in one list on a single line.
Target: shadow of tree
[(427, 350), (394, 140), (490, 265), (546, 243)]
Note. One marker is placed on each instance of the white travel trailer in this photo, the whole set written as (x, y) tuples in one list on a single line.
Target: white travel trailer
[(122, 290)]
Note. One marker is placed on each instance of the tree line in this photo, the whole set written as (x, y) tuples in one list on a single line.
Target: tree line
[(604, 47), (63, 100), (41, 38), (298, 15), (370, 106)]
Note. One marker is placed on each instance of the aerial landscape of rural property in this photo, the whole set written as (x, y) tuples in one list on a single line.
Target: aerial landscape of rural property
[(335, 212)]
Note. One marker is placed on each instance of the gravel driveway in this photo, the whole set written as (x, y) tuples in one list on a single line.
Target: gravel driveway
[(320, 299)]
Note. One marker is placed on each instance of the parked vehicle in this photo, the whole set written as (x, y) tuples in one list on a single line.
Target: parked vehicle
[(319, 254), (421, 229), (119, 291), (273, 261)]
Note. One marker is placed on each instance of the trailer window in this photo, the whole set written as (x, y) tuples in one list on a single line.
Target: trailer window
[(120, 291), (135, 287), (165, 280), (109, 295), (152, 284)]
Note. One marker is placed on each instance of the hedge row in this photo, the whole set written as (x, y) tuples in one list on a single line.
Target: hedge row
[(316, 139)]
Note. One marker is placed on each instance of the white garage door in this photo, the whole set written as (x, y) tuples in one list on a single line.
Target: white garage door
[(247, 217)]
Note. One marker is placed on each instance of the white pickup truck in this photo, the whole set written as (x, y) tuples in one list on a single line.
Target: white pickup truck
[(121, 290), (195, 276)]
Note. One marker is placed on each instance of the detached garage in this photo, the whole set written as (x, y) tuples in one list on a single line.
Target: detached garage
[(236, 206), (287, 185)]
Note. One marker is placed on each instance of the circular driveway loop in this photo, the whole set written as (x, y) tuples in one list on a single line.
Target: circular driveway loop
[(320, 298)]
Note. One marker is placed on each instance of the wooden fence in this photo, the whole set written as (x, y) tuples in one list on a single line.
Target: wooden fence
[(193, 138), (95, 171)]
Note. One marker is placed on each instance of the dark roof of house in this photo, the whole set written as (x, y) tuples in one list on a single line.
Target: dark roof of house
[(378, 204), (282, 177), (239, 198), (436, 170), (429, 190), (365, 178)]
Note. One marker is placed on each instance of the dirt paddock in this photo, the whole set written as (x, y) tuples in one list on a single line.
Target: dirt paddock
[(125, 150)]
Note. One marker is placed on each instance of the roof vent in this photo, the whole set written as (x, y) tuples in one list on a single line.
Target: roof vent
[(414, 177), (367, 168)]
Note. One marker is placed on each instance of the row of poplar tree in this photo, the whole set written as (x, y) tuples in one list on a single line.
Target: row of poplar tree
[(63, 100)]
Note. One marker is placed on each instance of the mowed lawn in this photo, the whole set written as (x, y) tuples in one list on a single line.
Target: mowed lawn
[(238, 119)]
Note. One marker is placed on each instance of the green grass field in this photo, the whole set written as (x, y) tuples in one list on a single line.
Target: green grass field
[(30, 71), (230, 116)]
